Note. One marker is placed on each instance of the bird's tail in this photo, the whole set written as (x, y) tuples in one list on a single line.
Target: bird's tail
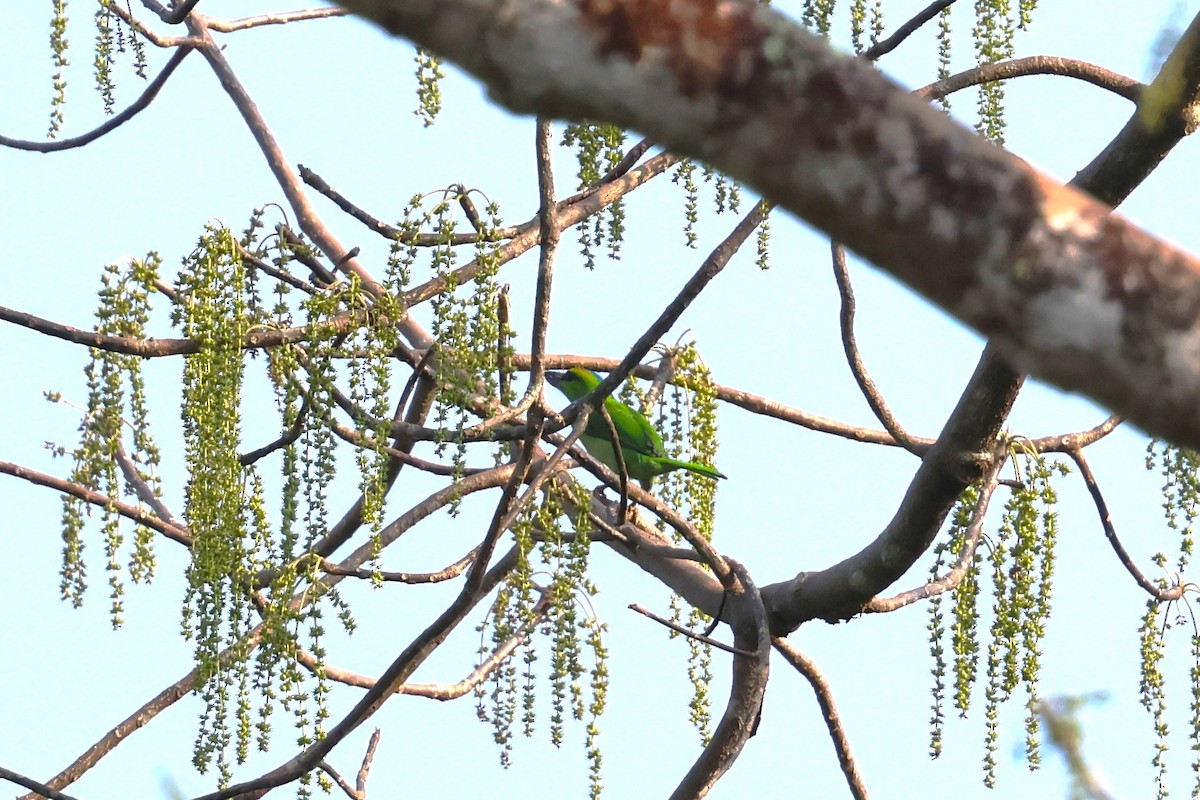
[(692, 466)]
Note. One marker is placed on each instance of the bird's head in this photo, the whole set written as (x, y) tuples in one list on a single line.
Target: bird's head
[(575, 382)]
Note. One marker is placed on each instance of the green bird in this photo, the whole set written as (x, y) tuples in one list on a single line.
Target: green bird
[(641, 446)]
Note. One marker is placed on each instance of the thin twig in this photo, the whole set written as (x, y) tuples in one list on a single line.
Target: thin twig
[(329, 770), (614, 437), (962, 564), (833, 721), (368, 759), (689, 633), (141, 516), (245, 23), (626, 163), (265, 266), (1110, 532), (548, 214), (870, 391), (446, 573), (143, 490), (288, 437), (906, 30), (387, 231)]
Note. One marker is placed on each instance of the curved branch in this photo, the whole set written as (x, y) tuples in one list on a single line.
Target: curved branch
[(751, 667), (112, 123), (688, 633), (1110, 532), (966, 449), (441, 691), (1096, 75), (867, 386), (833, 721)]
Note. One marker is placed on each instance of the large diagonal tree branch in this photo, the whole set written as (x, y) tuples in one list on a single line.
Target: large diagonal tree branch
[(1065, 290)]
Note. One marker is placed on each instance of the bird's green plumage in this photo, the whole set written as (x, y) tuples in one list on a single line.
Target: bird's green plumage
[(641, 446)]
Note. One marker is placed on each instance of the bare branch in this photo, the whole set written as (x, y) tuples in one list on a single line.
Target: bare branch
[(391, 231), (448, 572), (139, 515), (143, 490), (153, 36), (368, 758), (41, 789), (184, 47), (833, 721), (1096, 75), (962, 564), (882, 48), (967, 448), (288, 437), (270, 269), (174, 15), (549, 230), (689, 633), (344, 784), (1066, 442), (1110, 532), (750, 669), (867, 386), (229, 26)]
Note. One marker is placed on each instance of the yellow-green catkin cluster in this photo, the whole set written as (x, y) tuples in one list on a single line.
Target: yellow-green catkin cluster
[(220, 499), (726, 196), (1022, 560), (1181, 501), (866, 19), (992, 32), (429, 86), (116, 454), (598, 149), (112, 37), (470, 339), (547, 599), (964, 641), (689, 427)]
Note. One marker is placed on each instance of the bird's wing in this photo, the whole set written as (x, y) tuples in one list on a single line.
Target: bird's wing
[(635, 431)]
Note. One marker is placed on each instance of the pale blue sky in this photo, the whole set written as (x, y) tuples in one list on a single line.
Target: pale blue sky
[(339, 97)]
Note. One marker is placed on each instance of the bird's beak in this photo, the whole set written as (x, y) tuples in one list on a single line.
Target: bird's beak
[(555, 379)]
